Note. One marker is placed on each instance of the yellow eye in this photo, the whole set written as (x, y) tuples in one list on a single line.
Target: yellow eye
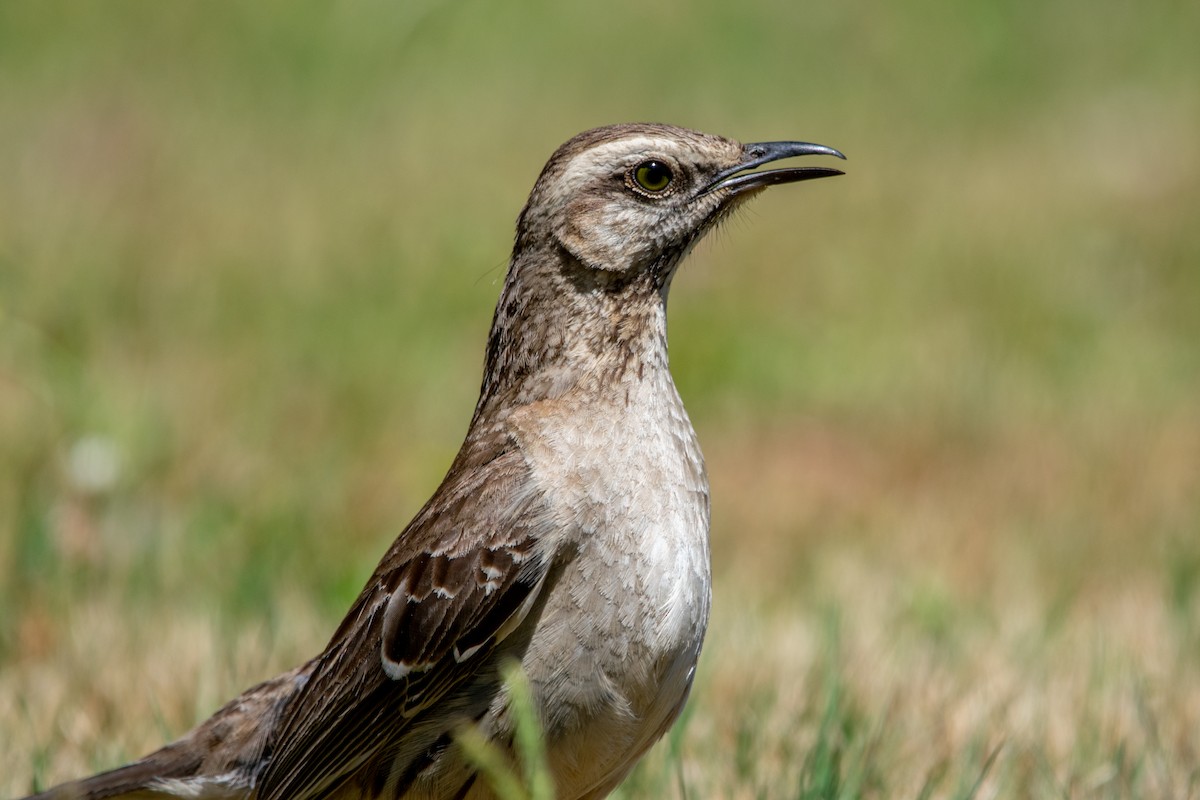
[(653, 176)]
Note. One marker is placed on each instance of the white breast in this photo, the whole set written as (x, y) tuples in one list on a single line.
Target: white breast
[(616, 649)]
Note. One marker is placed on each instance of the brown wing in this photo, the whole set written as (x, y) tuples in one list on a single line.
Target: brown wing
[(456, 581)]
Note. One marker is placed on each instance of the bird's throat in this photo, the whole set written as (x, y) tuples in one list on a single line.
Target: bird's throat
[(563, 328)]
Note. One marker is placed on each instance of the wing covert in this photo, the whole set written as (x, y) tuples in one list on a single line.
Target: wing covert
[(462, 576)]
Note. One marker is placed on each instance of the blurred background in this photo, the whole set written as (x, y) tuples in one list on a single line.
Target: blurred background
[(950, 401)]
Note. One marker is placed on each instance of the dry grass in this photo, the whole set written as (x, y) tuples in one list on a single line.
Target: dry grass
[(950, 402), (909, 607)]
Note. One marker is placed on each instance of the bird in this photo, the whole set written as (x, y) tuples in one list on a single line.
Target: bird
[(570, 535)]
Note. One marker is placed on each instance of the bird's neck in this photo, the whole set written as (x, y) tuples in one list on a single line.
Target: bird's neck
[(562, 328)]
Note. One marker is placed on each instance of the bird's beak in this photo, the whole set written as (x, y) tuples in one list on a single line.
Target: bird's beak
[(764, 153)]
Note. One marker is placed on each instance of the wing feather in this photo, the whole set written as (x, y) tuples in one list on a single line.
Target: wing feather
[(460, 578)]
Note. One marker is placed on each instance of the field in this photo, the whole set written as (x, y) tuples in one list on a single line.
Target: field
[(950, 402)]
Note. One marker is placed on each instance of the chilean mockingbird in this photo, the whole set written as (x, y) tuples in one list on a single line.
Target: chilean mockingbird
[(570, 534)]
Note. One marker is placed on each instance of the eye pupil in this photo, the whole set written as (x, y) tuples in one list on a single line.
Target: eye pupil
[(653, 176)]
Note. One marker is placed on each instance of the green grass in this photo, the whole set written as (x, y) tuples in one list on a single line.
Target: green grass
[(950, 400)]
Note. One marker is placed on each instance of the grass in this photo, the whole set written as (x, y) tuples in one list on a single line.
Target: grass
[(536, 781), (949, 402)]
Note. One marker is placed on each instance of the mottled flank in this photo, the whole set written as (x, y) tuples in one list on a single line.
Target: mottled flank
[(570, 534)]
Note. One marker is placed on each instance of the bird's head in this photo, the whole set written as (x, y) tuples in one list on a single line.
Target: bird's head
[(608, 221), (630, 199)]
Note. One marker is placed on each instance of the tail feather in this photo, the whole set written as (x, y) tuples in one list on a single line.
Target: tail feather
[(218, 760), (152, 778)]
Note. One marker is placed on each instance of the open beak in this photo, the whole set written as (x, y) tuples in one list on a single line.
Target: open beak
[(764, 153)]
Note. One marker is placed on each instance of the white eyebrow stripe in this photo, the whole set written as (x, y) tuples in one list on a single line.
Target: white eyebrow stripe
[(593, 158)]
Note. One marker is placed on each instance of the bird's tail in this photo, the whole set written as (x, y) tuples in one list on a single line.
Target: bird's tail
[(218, 760), (159, 776)]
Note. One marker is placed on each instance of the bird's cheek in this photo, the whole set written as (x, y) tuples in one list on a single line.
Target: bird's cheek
[(604, 238)]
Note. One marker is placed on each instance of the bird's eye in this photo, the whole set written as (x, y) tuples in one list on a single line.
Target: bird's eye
[(653, 176)]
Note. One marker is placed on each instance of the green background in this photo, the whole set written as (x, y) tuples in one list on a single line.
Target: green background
[(251, 250)]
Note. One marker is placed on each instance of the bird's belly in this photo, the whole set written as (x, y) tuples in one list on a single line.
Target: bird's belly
[(615, 651), (615, 648), (615, 677)]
